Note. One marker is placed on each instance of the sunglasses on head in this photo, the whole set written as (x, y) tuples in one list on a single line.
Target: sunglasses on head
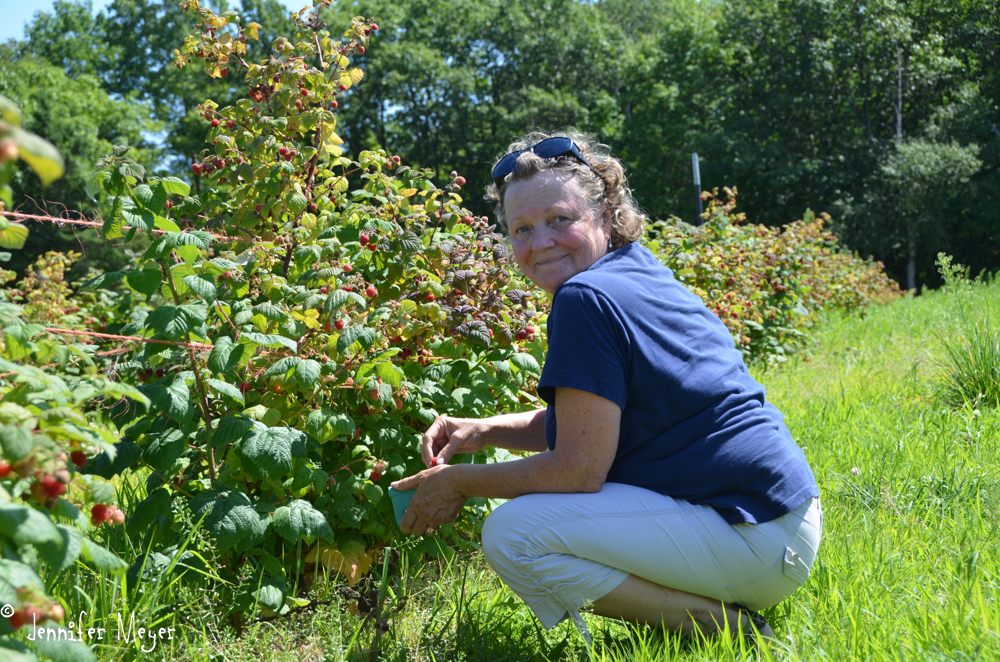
[(549, 148)]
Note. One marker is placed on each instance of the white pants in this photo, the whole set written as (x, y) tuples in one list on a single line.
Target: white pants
[(560, 552)]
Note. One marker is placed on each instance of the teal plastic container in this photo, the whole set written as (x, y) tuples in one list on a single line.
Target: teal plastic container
[(400, 502)]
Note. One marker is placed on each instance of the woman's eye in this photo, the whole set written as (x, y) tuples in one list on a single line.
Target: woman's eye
[(561, 219)]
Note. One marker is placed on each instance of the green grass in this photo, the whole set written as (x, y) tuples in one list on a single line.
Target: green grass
[(908, 568)]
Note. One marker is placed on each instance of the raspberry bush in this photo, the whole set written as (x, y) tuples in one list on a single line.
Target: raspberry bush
[(312, 313)]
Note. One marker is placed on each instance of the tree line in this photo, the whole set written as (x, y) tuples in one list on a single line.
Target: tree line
[(882, 113)]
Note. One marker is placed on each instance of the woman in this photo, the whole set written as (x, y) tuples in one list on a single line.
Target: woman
[(670, 493)]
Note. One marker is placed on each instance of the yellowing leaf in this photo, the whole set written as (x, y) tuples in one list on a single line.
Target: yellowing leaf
[(251, 31), (345, 80), (352, 562), (341, 61), (407, 192), (40, 154), (225, 38), (356, 75)]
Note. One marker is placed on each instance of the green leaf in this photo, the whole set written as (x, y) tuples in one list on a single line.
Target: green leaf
[(178, 321), (307, 373), (389, 373), (58, 647), (268, 451), (300, 521), (526, 362), (147, 511), (16, 442), (145, 281), (9, 112), (163, 450), (194, 238), (104, 280), (324, 425), (270, 312), (201, 286), (60, 557), (142, 219), (27, 525), (100, 488), (151, 198), (231, 429), (296, 202), (337, 299), (131, 169), (226, 389), (271, 593), (282, 366), (270, 340), (102, 558), (39, 154), (372, 492), (176, 401), (229, 517), (13, 236), (171, 186), (227, 355), (356, 333)]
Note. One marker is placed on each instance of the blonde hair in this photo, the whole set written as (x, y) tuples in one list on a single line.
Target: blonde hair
[(604, 182)]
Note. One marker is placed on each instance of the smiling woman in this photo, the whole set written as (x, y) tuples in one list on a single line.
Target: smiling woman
[(664, 488)]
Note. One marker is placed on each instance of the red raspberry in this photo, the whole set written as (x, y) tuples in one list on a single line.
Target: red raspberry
[(343, 87), (5, 468), (467, 220), (52, 486), (304, 92), (257, 208), (521, 335), (231, 124), (196, 168), (323, 290), (244, 387), (361, 50), (363, 239), (373, 394), (371, 291), (460, 181), (79, 458), (117, 517), (215, 123), (376, 476), (16, 619), (430, 296), (339, 325), (372, 247), (98, 513), (348, 268), (530, 330), (348, 288), (375, 27), (333, 104)]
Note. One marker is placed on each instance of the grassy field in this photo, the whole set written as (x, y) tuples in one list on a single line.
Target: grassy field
[(908, 568)]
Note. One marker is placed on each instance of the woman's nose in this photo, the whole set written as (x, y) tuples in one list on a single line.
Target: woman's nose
[(543, 238)]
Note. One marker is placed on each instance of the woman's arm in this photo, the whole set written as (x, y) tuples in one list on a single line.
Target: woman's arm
[(523, 431), (586, 444)]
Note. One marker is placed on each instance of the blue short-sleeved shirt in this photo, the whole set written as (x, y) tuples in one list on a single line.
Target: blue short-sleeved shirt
[(695, 425)]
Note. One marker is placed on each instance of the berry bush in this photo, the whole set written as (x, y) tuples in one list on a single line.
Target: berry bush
[(768, 285)]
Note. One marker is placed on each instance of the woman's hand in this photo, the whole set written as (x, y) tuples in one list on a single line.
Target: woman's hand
[(447, 436), (437, 501)]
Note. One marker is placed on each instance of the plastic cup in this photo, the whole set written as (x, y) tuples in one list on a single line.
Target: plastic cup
[(400, 502)]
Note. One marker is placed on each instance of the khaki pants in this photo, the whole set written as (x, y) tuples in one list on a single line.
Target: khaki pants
[(560, 552)]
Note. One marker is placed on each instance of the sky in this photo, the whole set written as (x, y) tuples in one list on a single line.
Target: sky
[(15, 13)]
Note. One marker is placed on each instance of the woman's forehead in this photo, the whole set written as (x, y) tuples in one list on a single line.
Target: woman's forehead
[(544, 191)]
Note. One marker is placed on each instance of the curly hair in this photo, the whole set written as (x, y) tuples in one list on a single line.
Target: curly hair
[(603, 184)]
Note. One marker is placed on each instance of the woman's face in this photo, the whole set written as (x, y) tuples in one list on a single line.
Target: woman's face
[(554, 231)]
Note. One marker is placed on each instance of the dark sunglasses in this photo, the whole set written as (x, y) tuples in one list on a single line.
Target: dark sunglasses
[(549, 148)]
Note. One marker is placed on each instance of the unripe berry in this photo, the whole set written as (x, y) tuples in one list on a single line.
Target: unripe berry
[(361, 50), (79, 458), (168, 205), (373, 394), (57, 613), (118, 517)]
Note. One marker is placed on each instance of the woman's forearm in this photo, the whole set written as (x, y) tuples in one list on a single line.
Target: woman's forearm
[(542, 472), (523, 431)]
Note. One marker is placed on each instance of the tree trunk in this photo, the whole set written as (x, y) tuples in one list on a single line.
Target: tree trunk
[(911, 256)]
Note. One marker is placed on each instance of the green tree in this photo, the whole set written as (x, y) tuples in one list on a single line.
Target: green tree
[(83, 122)]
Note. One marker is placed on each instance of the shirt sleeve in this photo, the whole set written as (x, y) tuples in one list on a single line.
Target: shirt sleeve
[(589, 347)]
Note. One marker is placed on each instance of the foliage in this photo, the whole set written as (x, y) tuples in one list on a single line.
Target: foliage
[(767, 285), (311, 313), (971, 364)]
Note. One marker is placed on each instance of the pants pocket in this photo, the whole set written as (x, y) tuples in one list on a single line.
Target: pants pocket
[(773, 585)]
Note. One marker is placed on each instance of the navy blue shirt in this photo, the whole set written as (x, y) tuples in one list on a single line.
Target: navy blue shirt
[(695, 425)]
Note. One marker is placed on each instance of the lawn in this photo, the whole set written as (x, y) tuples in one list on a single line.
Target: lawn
[(908, 568)]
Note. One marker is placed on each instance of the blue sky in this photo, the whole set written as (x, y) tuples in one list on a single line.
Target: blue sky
[(15, 13)]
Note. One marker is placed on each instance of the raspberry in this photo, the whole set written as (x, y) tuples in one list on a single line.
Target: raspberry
[(215, 123), (52, 486), (304, 92), (79, 458), (348, 288), (467, 220), (372, 247), (373, 394), (460, 181), (5, 468), (521, 335), (348, 268), (257, 208), (363, 239), (343, 87), (361, 50), (244, 387), (333, 104), (99, 513), (339, 324), (376, 476), (231, 124), (323, 290), (375, 27), (16, 619), (530, 330), (196, 168), (117, 517), (371, 291), (430, 296)]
